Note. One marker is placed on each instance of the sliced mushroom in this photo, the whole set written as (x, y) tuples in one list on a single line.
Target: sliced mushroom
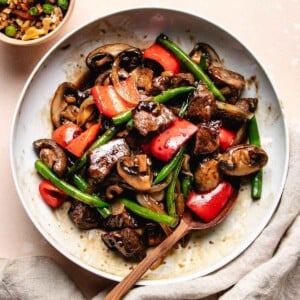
[(136, 171), (52, 155), (247, 104), (203, 49), (86, 110), (232, 82), (207, 176), (149, 202), (102, 57), (227, 77), (65, 95), (232, 111), (113, 190), (242, 160), (143, 78), (103, 158)]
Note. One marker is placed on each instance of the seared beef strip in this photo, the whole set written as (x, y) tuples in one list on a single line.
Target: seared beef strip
[(207, 138), (127, 242), (203, 104), (103, 158), (164, 82), (150, 117), (224, 77), (247, 104), (120, 221), (153, 234), (84, 216)]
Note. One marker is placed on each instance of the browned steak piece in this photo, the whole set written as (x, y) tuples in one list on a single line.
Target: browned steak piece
[(247, 104), (203, 104), (127, 242), (163, 83), (84, 216), (103, 158), (207, 138), (150, 117), (120, 221)]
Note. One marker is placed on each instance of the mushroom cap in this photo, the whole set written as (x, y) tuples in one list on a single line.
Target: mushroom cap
[(136, 171), (52, 155), (242, 160)]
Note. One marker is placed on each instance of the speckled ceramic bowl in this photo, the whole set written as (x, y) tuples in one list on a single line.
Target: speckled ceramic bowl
[(208, 250), (44, 38)]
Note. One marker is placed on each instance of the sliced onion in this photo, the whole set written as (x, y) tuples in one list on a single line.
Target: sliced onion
[(86, 109), (233, 110), (128, 96), (161, 186), (117, 208), (148, 202)]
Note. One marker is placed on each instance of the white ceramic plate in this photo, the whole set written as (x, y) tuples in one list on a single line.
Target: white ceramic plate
[(207, 251)]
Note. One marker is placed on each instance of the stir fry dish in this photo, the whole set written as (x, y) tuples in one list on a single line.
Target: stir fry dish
[(146, 135)]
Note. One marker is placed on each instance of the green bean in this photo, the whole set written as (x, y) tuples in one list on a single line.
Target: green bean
[(254, 137), (257, 180), (189, 64), (149, 214), (256, 185), (187, 181), (103, 139), (69, 189), (169, 167), (202, 63), (172, 93), (161, 98), (122, 117), (186, 184), (170, 193), (130, 124), (82, 185)]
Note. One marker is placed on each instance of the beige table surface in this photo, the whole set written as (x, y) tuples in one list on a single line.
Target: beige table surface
[(270, 28)]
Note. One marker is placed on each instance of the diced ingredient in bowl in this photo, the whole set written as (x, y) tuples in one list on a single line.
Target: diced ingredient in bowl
[(30, 19)]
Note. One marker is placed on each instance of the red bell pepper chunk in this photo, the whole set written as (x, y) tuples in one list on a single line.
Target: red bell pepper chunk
[(110, 101), (226, 138), (164, 57), (71, 137), (84, 140), (53, 196), (167, 143), (208, 205), (65, 133)]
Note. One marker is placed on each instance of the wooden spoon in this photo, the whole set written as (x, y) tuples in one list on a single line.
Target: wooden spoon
[(186, 224)]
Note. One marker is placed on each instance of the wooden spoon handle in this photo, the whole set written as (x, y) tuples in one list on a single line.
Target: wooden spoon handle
[(123, 287)]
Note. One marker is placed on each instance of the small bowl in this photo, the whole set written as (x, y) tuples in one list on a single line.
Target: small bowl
[(13, 41)]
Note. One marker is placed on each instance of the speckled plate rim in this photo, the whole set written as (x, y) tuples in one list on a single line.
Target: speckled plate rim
[(215, 267)]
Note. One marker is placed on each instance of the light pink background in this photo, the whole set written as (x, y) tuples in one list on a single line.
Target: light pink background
[(270, 28)]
